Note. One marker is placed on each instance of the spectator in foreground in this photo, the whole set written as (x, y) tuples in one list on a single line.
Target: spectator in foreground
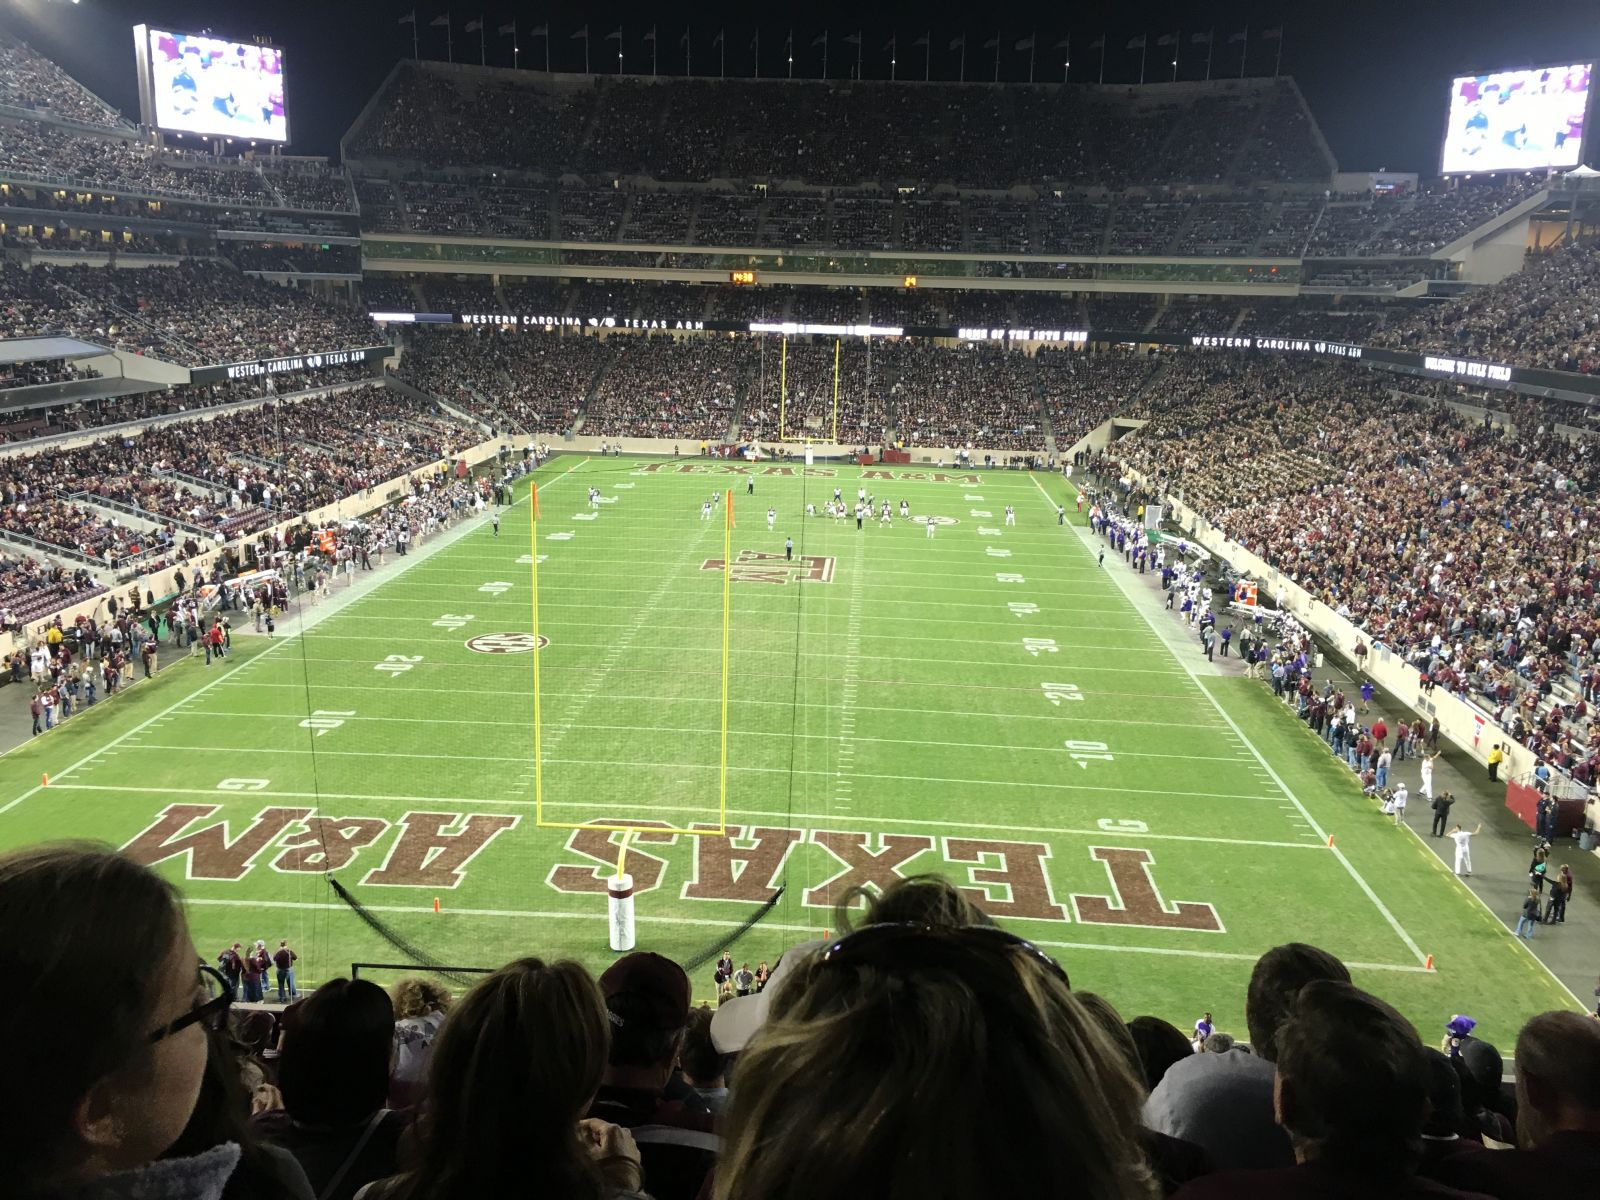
[(419, 1010), (222, 1116), (512, 1071), (1161, 1044), (333, 1072), (1558, 1117), (1223, 1102), (1175, 1161), (705, 1068), (647, 1005), (105, 1080), (1352, 1093), (881, 1061)]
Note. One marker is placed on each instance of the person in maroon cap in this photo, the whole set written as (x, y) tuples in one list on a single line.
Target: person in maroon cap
[(648, 999)]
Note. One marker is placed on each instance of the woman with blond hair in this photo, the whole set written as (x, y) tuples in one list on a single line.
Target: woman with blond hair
[(909, 1059), (513, 1071), (419, 1009)]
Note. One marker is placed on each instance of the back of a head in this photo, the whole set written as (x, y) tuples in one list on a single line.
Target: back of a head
[(1445, 1113), (1275, 985), (415, 997), (334, 1068), (67, 911), (1160, 1044), (702, 1062), (879, 1071), (1353, 1081), (513, 1070), (914, 900), (1099, 1010), (1558, 1074)]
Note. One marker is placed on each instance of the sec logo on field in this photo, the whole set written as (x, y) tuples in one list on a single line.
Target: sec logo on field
[(506, 643), (934, 521)]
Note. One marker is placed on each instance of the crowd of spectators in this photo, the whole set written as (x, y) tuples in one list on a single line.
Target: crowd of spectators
[(666, 388), (878, 1050), (194, 313), (833, 134), (1460, 544), (512, 380), (33, 150), (1081, 391), (31, 81), (1546, 315), (184, 485)]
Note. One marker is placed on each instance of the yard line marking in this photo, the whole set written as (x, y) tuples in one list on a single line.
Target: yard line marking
[(677, 650), (712, 922), (685, 648), (1031, 693), (1288, 793), (849, 723), (1123, 790)]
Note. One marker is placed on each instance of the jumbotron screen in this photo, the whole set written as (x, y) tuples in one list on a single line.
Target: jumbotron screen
[(1525, 120), (214, 87)]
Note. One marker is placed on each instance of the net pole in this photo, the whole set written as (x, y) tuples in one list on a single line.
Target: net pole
[(727, 606), (835, 391), (783, 389), (538, 724)]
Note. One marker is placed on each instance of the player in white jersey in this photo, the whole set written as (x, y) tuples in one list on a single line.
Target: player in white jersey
[(772, 517), (811, 510), (1011, 515), (861, 494), (705, 510), (860, 512), (1463, 841), (928, 524), (905, 510), (883, 514), (838, 495)]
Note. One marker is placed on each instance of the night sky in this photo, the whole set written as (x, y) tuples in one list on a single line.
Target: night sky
[(1375, 73)]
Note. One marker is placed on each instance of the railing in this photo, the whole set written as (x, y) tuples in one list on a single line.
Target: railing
[(414, 969), (133, 510)]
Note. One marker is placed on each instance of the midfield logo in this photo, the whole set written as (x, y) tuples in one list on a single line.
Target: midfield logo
[(756, 566)]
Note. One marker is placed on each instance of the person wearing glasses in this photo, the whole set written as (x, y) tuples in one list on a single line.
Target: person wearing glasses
[(106, 1081), (883, 1054)]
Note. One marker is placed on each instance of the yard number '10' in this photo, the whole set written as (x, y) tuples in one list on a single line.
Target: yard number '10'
[(1083, 753)]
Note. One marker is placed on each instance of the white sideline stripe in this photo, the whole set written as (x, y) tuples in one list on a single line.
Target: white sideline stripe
[(307, 620), (600, 918), (1061, 715), (223, 798), (1277, 779), (1498, 921)]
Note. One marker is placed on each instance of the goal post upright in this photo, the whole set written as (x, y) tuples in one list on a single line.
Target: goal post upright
[(727, 612), (538, 723)]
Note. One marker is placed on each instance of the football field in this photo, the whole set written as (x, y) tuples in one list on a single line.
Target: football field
[(987, 703)]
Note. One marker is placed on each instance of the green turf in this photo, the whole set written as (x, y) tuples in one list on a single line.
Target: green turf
[(895, 711)]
